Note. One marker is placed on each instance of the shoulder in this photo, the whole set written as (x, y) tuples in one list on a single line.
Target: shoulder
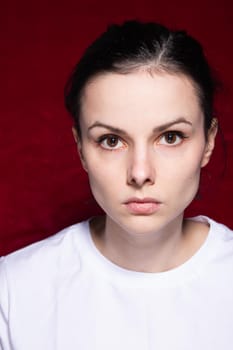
[(219, 230), (218, 246), (45, 258)]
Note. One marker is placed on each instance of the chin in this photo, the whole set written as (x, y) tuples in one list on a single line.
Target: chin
[(142, 224)]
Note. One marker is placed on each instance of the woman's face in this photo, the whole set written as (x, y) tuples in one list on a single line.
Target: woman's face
[(143, 147)]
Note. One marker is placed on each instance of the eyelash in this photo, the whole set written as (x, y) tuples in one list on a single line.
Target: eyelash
[(103, 138), (106, 137), (176, 133)]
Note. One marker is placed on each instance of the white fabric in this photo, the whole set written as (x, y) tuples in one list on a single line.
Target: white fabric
[(62, 294)]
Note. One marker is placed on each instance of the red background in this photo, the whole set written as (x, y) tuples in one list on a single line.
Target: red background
[(42, 185)]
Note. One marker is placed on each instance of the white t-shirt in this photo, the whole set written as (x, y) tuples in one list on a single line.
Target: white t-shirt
[(62, 294)]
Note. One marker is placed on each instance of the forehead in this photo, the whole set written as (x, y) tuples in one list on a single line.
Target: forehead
[(138, 97)]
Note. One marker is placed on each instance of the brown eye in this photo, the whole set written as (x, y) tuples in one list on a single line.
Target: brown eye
[(111, 142), (171, 138)]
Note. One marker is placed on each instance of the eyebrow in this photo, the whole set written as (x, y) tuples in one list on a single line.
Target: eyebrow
[(160, 128), (180, 120)]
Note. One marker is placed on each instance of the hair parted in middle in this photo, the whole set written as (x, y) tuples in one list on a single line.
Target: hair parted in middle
[(134, 45)]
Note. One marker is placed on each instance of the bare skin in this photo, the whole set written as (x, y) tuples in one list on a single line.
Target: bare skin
[(149, 256), (143, 147)]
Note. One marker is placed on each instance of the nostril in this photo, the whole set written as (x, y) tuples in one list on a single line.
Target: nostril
[(140, 179), (140, 166)]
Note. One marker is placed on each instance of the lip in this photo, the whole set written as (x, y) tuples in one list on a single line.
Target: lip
[(142, 206)]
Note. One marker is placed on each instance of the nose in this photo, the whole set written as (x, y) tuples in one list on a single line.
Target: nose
[(140, 169)]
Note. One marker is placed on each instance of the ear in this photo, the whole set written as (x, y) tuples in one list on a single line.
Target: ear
[(210, 143), (79, 147)]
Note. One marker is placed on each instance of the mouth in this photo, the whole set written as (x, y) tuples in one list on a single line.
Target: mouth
[(142, 206)]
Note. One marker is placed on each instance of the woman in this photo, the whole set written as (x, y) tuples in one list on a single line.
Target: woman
[(140, 277)]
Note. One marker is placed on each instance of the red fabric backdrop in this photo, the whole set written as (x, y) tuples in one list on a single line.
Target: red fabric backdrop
[(42, 185)]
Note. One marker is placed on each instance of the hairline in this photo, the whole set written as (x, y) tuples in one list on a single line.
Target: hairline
[(151, 68)]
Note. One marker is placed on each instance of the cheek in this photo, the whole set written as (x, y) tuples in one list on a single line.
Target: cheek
[(182, 160), (175, 169), (180, 170), (184, 168), (105, 176)]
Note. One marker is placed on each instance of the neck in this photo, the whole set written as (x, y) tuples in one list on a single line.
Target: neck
[(146, 252)]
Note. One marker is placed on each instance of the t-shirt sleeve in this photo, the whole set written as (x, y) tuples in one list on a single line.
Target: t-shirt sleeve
[(4, 330)]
